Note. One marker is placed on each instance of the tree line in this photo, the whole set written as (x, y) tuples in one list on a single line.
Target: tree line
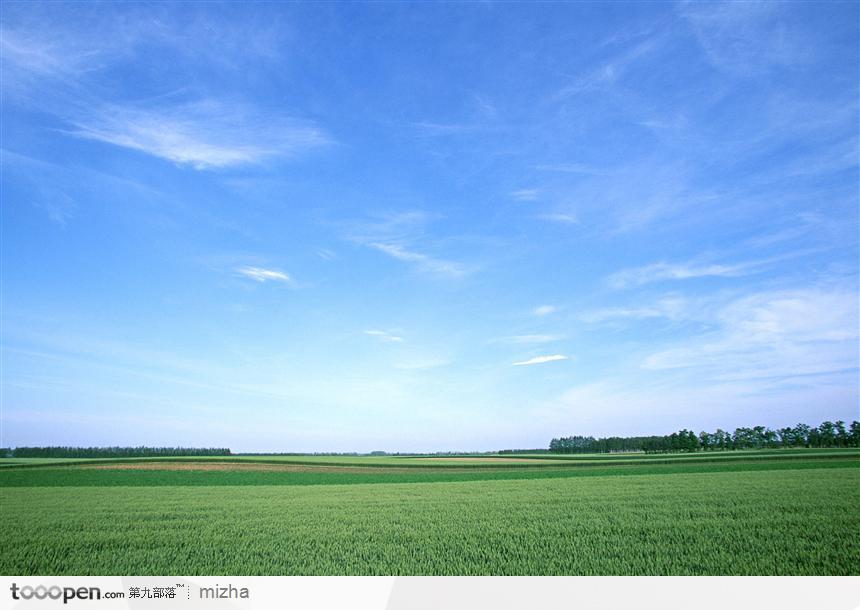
[(107, 452), (828, 434)]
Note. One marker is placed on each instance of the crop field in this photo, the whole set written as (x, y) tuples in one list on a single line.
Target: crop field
[(780, 512)]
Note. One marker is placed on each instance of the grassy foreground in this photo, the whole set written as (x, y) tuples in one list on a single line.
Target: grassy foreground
[(740, 517)]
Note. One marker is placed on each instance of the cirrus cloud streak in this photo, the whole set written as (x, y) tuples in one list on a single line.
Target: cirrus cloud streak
[(541, 360)]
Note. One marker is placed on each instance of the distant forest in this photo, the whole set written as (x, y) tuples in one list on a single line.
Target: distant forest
[(108, 452), (828, 434)]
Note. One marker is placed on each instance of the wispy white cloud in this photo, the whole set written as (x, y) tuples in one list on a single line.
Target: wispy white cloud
[(55, 65), (632, 194), (611, 70), (424, 262), (205, 135), (50, 42), (56, 188), (567, 168), (773, 334), (650, 407), (526, 339), (659, 272), (485, 107), (259, 274), (442, 129), (781, 355), (671, 308), (560, 217), (544, 310), (57, 205), (390, 227), (403, 236), (384, 335), (541, 360), (480, 123), (24, 52), (746, 38), (525, 194)]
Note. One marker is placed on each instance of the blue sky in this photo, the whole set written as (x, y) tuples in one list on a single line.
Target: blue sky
[(333, 227)]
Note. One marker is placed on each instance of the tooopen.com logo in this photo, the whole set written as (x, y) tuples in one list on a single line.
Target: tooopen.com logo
[(57, 593)]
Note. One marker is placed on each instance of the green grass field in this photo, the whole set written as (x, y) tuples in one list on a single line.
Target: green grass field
[(790, 512)]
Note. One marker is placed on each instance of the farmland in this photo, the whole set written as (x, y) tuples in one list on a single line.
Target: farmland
[(757, 512)]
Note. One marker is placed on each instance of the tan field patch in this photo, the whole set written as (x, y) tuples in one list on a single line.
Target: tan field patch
[(481, 460)]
